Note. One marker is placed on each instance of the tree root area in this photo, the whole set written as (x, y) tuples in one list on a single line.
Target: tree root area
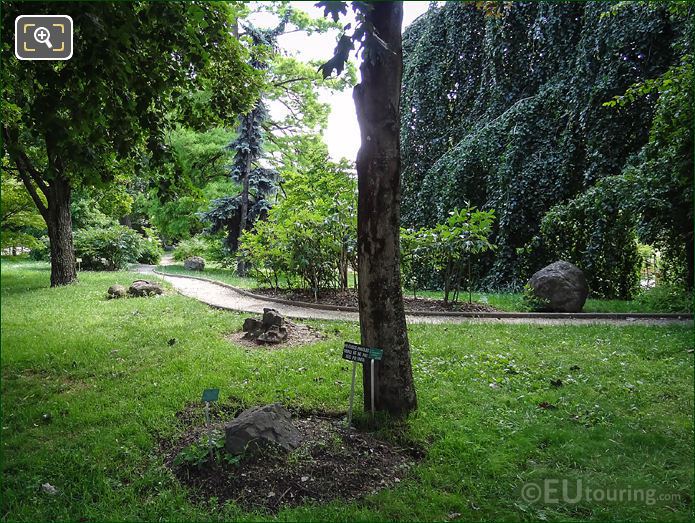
[(331, 463)]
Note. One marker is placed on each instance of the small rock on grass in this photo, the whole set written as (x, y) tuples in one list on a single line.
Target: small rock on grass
[(116, 291), (144, 288), (49, 489)]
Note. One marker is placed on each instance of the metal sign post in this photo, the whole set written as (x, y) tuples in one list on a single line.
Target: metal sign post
[(208, 396), (360, 354), (371, 386), (352, 393)]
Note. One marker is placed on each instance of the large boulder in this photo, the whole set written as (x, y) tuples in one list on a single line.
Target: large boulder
[(144, 288), (116, 291), (561, 287), (260, 427), (194, 263)]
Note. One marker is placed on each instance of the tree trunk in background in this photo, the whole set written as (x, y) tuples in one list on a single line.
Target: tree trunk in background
[(382, 316), (59, 224), (243, 212)]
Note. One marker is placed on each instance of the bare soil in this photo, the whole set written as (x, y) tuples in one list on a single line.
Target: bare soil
[(331, 463), (348, 298)]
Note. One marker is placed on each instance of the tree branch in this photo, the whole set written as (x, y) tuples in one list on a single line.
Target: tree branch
[(24, 169), (291, 80)]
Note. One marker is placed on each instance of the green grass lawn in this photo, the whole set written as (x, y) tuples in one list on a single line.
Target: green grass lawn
[(512, 302), (111, 383)]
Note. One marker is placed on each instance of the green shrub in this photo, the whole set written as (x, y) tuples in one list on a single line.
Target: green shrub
[(309, 238), (151, 252), (41, 251), (447, 249), (196, 246), (666, 297), (109, 248)]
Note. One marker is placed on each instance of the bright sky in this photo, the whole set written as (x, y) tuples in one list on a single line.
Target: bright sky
[(342, 135)]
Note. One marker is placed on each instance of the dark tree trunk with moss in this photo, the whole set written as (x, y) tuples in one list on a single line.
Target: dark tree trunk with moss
[(382, 316)]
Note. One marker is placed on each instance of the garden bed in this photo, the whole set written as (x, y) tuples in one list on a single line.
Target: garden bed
[(348, 298), (331, 463)]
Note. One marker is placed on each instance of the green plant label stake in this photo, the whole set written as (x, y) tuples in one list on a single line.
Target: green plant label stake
[(360, 354), (208, 396)]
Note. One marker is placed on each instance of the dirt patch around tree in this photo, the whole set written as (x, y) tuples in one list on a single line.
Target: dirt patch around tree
[(298, 334), (331, 463), (348, 298)]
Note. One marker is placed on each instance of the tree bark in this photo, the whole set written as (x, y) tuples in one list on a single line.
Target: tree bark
[(244, 211), (55, 212), (382, 316), (63, 270)]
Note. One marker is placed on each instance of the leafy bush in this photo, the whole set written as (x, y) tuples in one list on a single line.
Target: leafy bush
[(666, 298), (151, 249), (447, 248), (110, 248), (309, 238), (150, 252), (42, 251), (196, 246)]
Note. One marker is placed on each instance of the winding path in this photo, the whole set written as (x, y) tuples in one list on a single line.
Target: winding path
[(226, 298)]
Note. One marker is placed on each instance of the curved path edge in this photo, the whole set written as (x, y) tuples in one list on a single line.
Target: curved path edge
[(246, 301)]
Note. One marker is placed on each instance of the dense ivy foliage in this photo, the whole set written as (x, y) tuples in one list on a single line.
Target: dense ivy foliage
[(508, 112)]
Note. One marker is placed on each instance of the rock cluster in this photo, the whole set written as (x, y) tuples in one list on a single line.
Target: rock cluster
[(137, 289), (270, 328)]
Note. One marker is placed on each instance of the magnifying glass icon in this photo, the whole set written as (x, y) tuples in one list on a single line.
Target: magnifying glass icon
[(42, 35)]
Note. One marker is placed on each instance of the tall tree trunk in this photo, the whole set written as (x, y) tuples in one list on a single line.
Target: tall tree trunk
[(382, 316), (244, 211), (56, 211), (63, 270)]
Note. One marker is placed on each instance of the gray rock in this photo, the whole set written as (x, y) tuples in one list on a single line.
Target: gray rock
[(269, 329), (144, 288), (116, 291), (273, 334), (194, 263), (272, 317), (562, 286), (255, 428), (251, 325), (49, 489)]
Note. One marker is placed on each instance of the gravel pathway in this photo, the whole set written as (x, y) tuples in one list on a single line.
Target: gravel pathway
[(225, 298)]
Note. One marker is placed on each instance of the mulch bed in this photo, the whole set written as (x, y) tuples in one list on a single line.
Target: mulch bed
[(297, 334), (331, 463), (349, 299)]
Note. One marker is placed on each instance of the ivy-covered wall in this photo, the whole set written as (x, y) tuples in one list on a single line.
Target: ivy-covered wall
[(507, 113)]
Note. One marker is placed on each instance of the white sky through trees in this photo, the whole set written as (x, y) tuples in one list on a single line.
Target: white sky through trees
[(342, 135)]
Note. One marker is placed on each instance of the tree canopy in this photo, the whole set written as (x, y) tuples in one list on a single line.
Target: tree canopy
[(71, 124), (509, 112)]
